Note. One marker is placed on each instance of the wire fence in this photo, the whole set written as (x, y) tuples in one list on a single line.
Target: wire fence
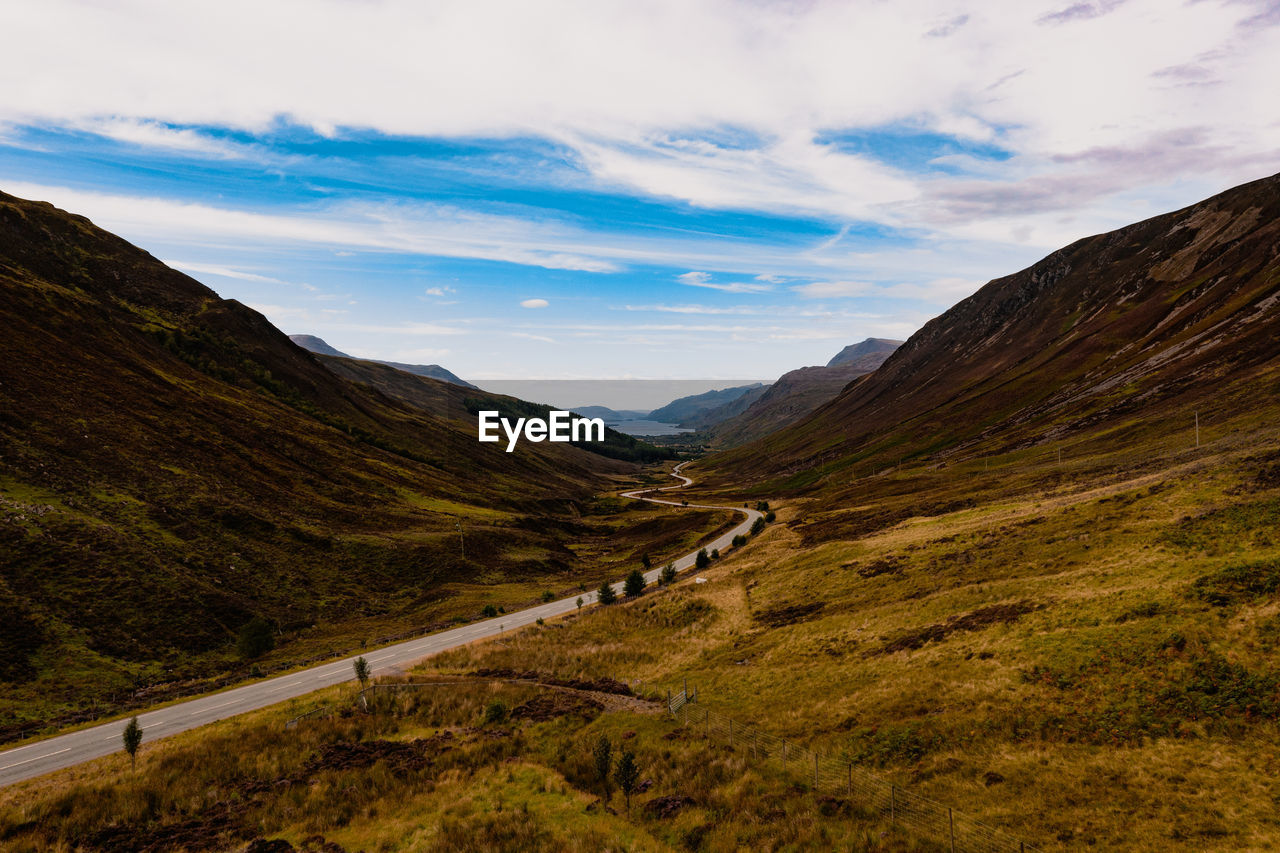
[(835, 775)]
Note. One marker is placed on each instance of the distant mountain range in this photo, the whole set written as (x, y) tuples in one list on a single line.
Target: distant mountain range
[(435, 371), (687, 408)]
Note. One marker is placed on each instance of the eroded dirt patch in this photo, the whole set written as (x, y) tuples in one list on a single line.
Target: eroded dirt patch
[(975, 620)]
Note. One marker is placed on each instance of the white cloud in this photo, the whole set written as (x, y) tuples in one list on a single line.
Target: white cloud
[(702, 279), (527, 336), (215, 269), (832, 289), (711, 102), (439, 291), (534, 303)]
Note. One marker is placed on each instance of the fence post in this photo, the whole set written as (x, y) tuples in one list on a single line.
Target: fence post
[(951, 824), (893, 803), (815, 772), (784, 751)]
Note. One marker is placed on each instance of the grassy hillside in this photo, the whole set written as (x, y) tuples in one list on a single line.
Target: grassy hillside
[(1114, 341), (1081, 655), (172, 468)]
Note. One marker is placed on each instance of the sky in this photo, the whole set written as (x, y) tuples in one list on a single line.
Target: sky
[(598, 189)]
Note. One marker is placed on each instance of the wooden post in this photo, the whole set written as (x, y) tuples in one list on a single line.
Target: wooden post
[(815, 771), (893, 803), (951, 822)]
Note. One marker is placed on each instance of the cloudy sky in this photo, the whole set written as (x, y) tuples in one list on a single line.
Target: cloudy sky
[(604, 189)]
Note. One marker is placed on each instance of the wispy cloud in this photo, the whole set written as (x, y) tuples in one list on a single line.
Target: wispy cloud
[(702, 279)]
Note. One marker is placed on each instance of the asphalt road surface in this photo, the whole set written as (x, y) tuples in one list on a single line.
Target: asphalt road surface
[(36, 759)]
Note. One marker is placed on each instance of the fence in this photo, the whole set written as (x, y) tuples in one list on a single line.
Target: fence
[(832, 774)]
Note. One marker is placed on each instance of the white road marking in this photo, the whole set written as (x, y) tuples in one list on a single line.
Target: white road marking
[(37, 758)]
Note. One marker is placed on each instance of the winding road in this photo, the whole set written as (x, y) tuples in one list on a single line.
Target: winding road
[(56, 753)]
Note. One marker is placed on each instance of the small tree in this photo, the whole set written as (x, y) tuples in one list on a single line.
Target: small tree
[(627, 774), (646, 562), (495, 711), (739, 541), (634, 584), (763, 506), (255, 639), (715, 553), (132, 740), (703, 560), (580, 602), (489, 611), (668, 574), (603, 755), (770, 516), (606, 595), (548, 596), (757, 526), (361, 666)]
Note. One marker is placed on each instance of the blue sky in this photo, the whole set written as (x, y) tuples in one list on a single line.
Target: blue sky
[(664, 190)]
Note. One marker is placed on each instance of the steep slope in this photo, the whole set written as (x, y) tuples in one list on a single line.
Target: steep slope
[(172, 466), (689, 408), (1113, 338), (320, 347)]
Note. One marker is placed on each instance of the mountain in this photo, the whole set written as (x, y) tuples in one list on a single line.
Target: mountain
[(869, 353), (311, 343), (434, 371), (607, 414), (797, 393), (173, 467), (794, 395), (1107, 342), (687, 408)]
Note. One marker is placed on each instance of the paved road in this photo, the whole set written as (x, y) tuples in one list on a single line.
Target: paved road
[(36, 759)]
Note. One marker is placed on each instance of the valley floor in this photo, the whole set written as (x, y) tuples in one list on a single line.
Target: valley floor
[(1081, 654)]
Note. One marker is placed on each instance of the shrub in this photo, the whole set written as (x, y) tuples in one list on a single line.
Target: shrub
[(1239, 583), (495, 711), (757, 527), (703, 559), (739, 541), (606, 595), (762, 506), (668, 574), (634, 584), (489, 611), (715, 553), (548, 595), (255, 639), (770, 516)]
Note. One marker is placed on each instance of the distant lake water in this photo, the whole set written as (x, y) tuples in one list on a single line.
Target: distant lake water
[(641, 427)]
